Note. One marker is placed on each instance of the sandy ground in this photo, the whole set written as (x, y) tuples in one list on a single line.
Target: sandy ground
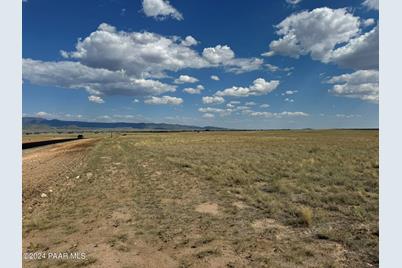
[(50, 177), (43, 167)]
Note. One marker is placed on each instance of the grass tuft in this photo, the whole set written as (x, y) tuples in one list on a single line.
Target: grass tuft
[(305, 215)]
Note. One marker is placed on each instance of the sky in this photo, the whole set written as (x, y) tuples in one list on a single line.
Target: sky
[(237, 64)]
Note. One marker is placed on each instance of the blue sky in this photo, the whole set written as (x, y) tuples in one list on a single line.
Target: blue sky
[(281, 64)]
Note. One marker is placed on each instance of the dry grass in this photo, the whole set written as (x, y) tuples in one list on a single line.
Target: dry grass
[(308, 199), (306, 216)]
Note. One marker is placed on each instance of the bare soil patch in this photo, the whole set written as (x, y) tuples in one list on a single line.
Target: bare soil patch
[(208, 208)]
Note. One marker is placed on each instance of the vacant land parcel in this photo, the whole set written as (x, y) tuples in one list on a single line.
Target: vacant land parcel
[(208, 199)]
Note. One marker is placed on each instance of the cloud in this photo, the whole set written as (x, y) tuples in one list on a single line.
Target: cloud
[(43, 114), (229, 105), (218, 54), (361, 84), (293, 2), (160, 9), (221, 112), (185, 79), (279, 115), (111, 62), (243, 65), (245, 110), (268, 54), (337, 38), (241, 108), (145, 54), (196, 90), (250, 103), (213, 100), (96, 99), (368, 22), (141, 54), (164, 100), (274, 68), (189, 41), (371, 4), (264, 105), (215, 77), (347, 115), (289, 100), (93, 118), (136, 100), (259, 87), (330, 27), (210, 110), (208, 115), (224, 55), (285, 113), (96, 81), (62, 116), (289, 92), (361, 53)]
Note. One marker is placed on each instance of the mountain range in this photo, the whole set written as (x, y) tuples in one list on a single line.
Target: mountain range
[(42, 123)]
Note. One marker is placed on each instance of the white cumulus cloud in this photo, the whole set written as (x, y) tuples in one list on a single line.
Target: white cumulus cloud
[(259, 87), (361, 53), (371, 4), (196, 90), (210, 110), (215, 77), (112, 62), (146, 54), (160, 9), (224, 56), (219, 111), (368, 22), (279, 115), (337, 38), (185, 79), (96, 99), (142, 54), (189, 41), (164, 100), (97, 81), (361, 84), (213, 100), (218, 54)]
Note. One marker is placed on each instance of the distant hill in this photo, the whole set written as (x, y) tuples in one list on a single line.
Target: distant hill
[(46, 124)]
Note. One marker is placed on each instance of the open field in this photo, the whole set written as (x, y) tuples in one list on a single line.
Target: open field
[(209, 199)]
